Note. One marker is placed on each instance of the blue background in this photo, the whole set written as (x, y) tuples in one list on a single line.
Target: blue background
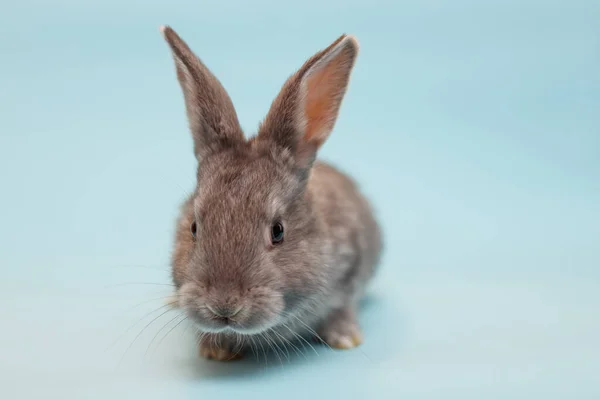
[(473, 125)]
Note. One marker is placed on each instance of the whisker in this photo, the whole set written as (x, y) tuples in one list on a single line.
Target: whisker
[(268, 339), (297, 335), (238, 340), (154, 299), (184, 332), (153, 267), (275, 340), (239, 346), (166, 268), (277, 350), (312, 331), (185, 317), (165, 178), (308, 310), (139, 334), (252, 344), (214, 340), (140, 283), (200, 336), (264, 351), (287, 341), (137, 322), (299, 348), (158, 332)]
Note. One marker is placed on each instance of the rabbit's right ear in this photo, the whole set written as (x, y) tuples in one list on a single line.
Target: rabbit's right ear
[(304, 113), (212, 117)]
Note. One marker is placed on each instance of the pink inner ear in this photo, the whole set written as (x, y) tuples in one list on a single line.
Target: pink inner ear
[(324, 89)]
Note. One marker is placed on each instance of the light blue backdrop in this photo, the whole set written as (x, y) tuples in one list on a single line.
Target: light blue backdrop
[(473, 125)]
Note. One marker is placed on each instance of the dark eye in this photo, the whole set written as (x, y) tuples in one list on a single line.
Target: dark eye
[(193, 229), (277, 233)]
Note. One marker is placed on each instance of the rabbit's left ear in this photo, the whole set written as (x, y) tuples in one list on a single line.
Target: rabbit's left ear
[(304, 113), (212, 117)]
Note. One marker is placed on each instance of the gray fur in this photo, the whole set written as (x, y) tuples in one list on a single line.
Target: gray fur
[(332, 243)]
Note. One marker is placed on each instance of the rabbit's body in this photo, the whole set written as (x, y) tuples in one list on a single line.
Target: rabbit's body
[(272, 246)]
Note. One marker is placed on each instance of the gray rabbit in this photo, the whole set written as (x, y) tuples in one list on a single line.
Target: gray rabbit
[(272, 246)]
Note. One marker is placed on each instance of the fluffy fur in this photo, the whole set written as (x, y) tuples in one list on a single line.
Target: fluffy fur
[(311, 282)]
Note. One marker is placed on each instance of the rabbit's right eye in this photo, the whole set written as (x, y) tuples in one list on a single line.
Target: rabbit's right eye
[(277, 233), (193, 229)]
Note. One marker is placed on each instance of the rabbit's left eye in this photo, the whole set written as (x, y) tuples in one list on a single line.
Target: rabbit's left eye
[(193, 229)]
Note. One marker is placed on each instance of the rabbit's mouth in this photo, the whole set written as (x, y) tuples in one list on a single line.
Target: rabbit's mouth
[(244, 321), (225, 321), (231, 324)]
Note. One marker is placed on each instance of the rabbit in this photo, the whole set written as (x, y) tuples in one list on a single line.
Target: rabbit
[(273, 247)]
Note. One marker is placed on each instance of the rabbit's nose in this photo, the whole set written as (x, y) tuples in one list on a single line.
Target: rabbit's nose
[(224, 311)]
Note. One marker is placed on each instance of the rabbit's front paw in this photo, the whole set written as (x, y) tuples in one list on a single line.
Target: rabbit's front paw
[(341, 330), (218, 350)]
